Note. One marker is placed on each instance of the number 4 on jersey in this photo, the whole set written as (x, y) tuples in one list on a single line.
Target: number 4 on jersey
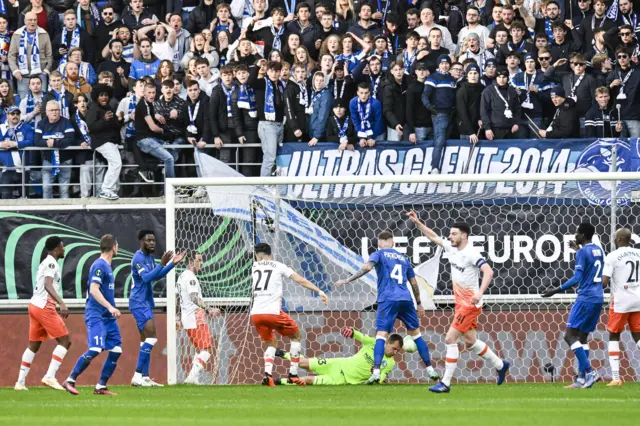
[(396, 274)]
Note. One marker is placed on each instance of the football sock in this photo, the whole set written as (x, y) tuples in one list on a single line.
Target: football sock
[(199, 363), (378, 353), (451, 361), (269, 356), (482, 349), (583, 361), (423, 349), (585, 346), (295, 358), (83, 362), (109, 366), (25, 366), (56, 359), (144, 358), (614, 359)]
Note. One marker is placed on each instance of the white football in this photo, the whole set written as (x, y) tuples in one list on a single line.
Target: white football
[(408, 344)]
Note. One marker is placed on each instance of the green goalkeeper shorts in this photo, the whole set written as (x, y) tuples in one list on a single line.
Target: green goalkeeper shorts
[(329, 371)]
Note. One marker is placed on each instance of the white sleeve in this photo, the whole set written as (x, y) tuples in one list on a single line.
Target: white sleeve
[(50, 270), (476, 258), (446, 245), (286, 271), (608, 265)]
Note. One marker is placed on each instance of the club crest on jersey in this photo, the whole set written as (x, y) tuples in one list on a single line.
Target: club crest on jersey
[(51, 265), (598, 158), (98, 272), (192, 282)]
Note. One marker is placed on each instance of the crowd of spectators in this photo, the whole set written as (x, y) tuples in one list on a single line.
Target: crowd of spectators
[(128, 81)]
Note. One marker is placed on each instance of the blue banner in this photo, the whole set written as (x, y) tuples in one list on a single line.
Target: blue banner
[(502, 157)]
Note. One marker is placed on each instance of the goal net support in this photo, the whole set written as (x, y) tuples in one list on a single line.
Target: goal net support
[(326, 227)]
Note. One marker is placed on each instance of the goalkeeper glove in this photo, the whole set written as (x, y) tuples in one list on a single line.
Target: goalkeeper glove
[(347, 332), (550, 292)]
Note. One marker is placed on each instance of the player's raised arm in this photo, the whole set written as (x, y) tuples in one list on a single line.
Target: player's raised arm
[(428, 232), (48, 286), (97, 294), (309, 285), (366, 268)]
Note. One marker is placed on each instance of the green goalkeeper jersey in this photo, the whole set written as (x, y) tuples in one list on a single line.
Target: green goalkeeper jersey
[(357, 368)]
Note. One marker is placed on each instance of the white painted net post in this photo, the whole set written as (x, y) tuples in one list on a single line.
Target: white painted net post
[(170, 244)]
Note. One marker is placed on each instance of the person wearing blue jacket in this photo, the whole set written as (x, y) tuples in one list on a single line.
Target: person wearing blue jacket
[(439, 97), (366, 114), (146, 64), (14, 135), (320, 109), (55, 131)]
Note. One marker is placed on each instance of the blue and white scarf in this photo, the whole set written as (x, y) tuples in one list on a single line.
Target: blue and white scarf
[(228, 93), (60, 97), (95, 16), (23, 65), (270, 99), (364, 111), (374, 85), (247, 100), (408, 61), (304, 96), (31, 103), (342, 130), (547, 30), (75, 41), (84, 129), (385, 10), (127, 53), (3, 7), (55, 162), (130, 130), (291, 8), (277, 43), (221, 28)]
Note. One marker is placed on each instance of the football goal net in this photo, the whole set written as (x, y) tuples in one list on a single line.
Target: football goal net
[(326, 227)]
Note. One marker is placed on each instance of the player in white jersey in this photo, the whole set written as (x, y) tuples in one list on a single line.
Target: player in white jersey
[(622, 272), (44, 320), (193, 312), (466, 265), (266, 310)]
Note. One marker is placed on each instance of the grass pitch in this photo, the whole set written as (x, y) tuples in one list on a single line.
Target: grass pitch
[(392, 405)]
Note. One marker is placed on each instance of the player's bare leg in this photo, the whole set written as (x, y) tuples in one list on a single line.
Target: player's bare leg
[(49, 379), (295, 360), (423, 350), (25, 365), (378, 355), (148, 339), (269, 356), (483, 350), (451, 361)]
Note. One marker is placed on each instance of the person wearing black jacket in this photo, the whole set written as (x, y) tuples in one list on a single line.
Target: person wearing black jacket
[(103, 33), (270, 114), (61, 47), (198, 130), (104, 128), (220, 112), (579, 85), (418, 116), (341, 83), (137, 15), (296, 97), (272, 36), (340, 127), (566, 121), (468, 97), (500, 109), (602, 121), (245, 121), (117, 66), (243, 55), (309, 31), (624, 82), (394, 101), (374, 77)]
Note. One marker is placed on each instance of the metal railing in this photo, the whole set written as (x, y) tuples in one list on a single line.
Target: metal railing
[(95, 166)]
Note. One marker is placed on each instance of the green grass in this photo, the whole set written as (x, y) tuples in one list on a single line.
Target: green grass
[(389, 405)]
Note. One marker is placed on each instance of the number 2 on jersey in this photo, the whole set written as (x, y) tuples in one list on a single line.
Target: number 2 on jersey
[(396, 274), (598, 277), (258, 279)]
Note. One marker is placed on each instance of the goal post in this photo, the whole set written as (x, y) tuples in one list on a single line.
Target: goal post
[(325, 228)]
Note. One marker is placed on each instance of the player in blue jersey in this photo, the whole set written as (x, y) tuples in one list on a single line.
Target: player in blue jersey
[(100, 316), (585, 312), (144, 272), (394, 301)]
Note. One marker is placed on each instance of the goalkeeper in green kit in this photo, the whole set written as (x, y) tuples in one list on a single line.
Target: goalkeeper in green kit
[(353, 370)]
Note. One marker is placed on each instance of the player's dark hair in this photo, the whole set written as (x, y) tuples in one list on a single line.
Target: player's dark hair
[(52, 243), (587, 230), (385, 235), (364, 85), (395, 338), (263, 248), (144, 232), (191, 255), (463, 227), (107, 243)]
